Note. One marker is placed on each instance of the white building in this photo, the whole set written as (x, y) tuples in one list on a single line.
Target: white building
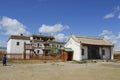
[(15, 46), (89, 48), (23, 47)]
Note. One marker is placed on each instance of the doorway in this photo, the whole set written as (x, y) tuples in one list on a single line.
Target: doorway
[(93, 52), (70, 56)]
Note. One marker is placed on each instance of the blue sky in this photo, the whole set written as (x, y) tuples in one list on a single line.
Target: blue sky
[(99, 18)]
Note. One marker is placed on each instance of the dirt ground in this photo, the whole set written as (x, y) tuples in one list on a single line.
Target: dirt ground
[(61, 71)]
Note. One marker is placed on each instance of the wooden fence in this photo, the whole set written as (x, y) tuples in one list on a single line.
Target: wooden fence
[(48, 57), (116, 56)]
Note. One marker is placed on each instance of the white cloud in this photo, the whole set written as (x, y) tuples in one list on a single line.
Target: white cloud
[(113, 14), (52, 29), (105, 32), (119, 16), (114, 38), (61, 37), (110, 15), (13, 26)]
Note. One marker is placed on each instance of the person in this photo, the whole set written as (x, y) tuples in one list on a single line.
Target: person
[(4, 59)]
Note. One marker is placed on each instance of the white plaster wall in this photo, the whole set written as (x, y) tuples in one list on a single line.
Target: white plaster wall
[(100, 52), (13, 48), (85, 56), (31, 38), (8, 48), (112, 54), (76, 49), (107, 53)]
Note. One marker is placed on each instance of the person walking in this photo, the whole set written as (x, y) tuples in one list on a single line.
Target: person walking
[(4, 59)]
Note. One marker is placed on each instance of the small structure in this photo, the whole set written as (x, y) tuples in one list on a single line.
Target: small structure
[(67, 54), (87, 48)]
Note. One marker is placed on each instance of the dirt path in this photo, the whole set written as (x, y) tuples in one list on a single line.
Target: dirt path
[(61, 71)]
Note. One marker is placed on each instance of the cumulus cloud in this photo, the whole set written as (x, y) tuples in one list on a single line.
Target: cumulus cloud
[(114, 13), (61, 37), (13, 26), (52, 29), (114, 38)]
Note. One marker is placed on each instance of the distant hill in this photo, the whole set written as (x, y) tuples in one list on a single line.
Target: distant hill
[(2, 48)]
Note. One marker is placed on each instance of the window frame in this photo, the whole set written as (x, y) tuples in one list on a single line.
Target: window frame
[(83, 52), (103, 52), (17, 43)]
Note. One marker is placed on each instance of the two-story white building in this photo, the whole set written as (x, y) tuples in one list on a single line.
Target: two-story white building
[(85, 48), (23, 47), (15, 46)]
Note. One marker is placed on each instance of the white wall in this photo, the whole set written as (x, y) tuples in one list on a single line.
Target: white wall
[(107, 52), (112, 54), (76, 49), (85, 56), (13, 48), (8, 48)]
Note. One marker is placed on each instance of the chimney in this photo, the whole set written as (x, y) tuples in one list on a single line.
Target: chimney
[(21, 34)]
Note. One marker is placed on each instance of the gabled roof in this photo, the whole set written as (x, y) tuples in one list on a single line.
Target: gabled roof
[(20, 37), (91, 40)]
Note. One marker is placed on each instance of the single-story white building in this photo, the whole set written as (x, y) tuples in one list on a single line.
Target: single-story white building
[(87, 48)]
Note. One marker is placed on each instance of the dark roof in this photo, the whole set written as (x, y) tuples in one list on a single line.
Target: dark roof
[(20, 37), (41, 36)]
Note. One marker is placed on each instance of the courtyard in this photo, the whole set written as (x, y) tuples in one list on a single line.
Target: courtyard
[(60, 71)]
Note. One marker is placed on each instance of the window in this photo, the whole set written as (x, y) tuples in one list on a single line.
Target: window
[(82, 52), (103, 52), (38, 51), (18, 43), (38, 44)]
